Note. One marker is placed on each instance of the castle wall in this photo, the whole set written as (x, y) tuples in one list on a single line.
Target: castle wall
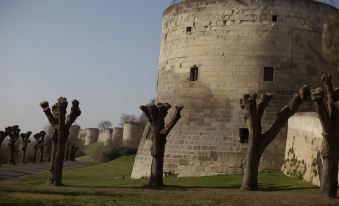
[(303, 146), (73, 134), (132, 134), (117, 137), (105, 136), (230, 42), (92, 135)]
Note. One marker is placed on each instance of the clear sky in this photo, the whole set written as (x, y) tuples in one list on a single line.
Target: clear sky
[(102, 52)]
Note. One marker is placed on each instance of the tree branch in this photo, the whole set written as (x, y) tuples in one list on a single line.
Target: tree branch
[(282, 116), (317, 96), (145, 109), (74, 114), (327, 82), (45, 106), (173, 121), (249, 105), (263, 103)]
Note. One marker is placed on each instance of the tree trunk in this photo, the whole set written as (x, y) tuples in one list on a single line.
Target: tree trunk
[(157, 170), (23, 155), (42, 148), (12, 154), (329, 173), (53, 156), (35, 147), (58, 164)]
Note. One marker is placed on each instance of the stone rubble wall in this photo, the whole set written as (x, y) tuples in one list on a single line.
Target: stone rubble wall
[(303, 146)]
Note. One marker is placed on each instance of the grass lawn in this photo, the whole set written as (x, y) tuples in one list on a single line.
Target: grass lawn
[(109, 184)]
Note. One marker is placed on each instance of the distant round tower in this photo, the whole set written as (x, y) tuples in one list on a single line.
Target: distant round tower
[(214, 51)]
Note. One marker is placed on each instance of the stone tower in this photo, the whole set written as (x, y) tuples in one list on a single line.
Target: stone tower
[(214, 51)]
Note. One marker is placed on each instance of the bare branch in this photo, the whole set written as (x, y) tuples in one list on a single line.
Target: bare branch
[(173, 121), (317, 96), (45, 106), (263, 103), (74, 114)]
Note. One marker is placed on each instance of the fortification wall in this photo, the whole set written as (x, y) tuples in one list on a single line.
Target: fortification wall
[(117, 137), (303, 146), (234, 45), (105, 136), (92, 135), (73, 134), (132, 134)]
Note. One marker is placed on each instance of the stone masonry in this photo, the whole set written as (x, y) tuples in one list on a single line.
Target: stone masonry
[(214, 51), (302, 154)]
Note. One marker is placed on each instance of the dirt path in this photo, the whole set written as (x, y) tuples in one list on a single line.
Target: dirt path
[(13, 172)]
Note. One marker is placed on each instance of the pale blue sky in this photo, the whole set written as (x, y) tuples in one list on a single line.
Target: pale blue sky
[(102, 52)]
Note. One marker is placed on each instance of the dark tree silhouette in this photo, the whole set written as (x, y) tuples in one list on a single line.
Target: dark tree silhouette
[(328, 112), (41, 145), (62, 124), (25, 141), (156, 116), (258, 141), (3, 135), (14, 134), (36, 145), (73, 152)]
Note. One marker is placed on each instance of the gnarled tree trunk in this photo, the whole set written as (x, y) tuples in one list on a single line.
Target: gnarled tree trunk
[(328, 112), (42, 145), (13, 133), (62, 125), (25, 141), (156, 116), (258, 141)]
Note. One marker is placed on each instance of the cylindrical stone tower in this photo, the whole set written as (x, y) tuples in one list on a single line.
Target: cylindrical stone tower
[(214, 51), (105, 136), (117, 137), (91, 135), (132, 134)]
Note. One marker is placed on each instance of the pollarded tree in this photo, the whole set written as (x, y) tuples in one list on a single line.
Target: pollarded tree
[(14, 134), (257, 140), (3, 135), (25, 141), (36, 145), (62, 124), (328, 112), (105, 124), (156, 116), (41, 145)]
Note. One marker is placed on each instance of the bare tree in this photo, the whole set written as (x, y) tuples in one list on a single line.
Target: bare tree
[(25, 141), (258, 141), (62, 126), (3, 135), (328, 112), (124, 118), (41, 145), (105, 124), (156, 116), (14, 134)]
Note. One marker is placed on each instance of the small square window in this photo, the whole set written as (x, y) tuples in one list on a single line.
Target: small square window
[(268, 74), (243, 135), (188, 29), (274, 18), (194, 73)]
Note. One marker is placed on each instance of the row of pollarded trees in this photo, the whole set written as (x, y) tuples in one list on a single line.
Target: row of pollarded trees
[(13, 132), (327, 107)]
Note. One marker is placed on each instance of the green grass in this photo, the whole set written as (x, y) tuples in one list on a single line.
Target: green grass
[(103, 184)]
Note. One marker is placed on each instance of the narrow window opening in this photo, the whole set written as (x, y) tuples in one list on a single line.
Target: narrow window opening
[(274, 18), (188, 29), (224, 22), (268, 74), (243, 135), (194, 73)]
